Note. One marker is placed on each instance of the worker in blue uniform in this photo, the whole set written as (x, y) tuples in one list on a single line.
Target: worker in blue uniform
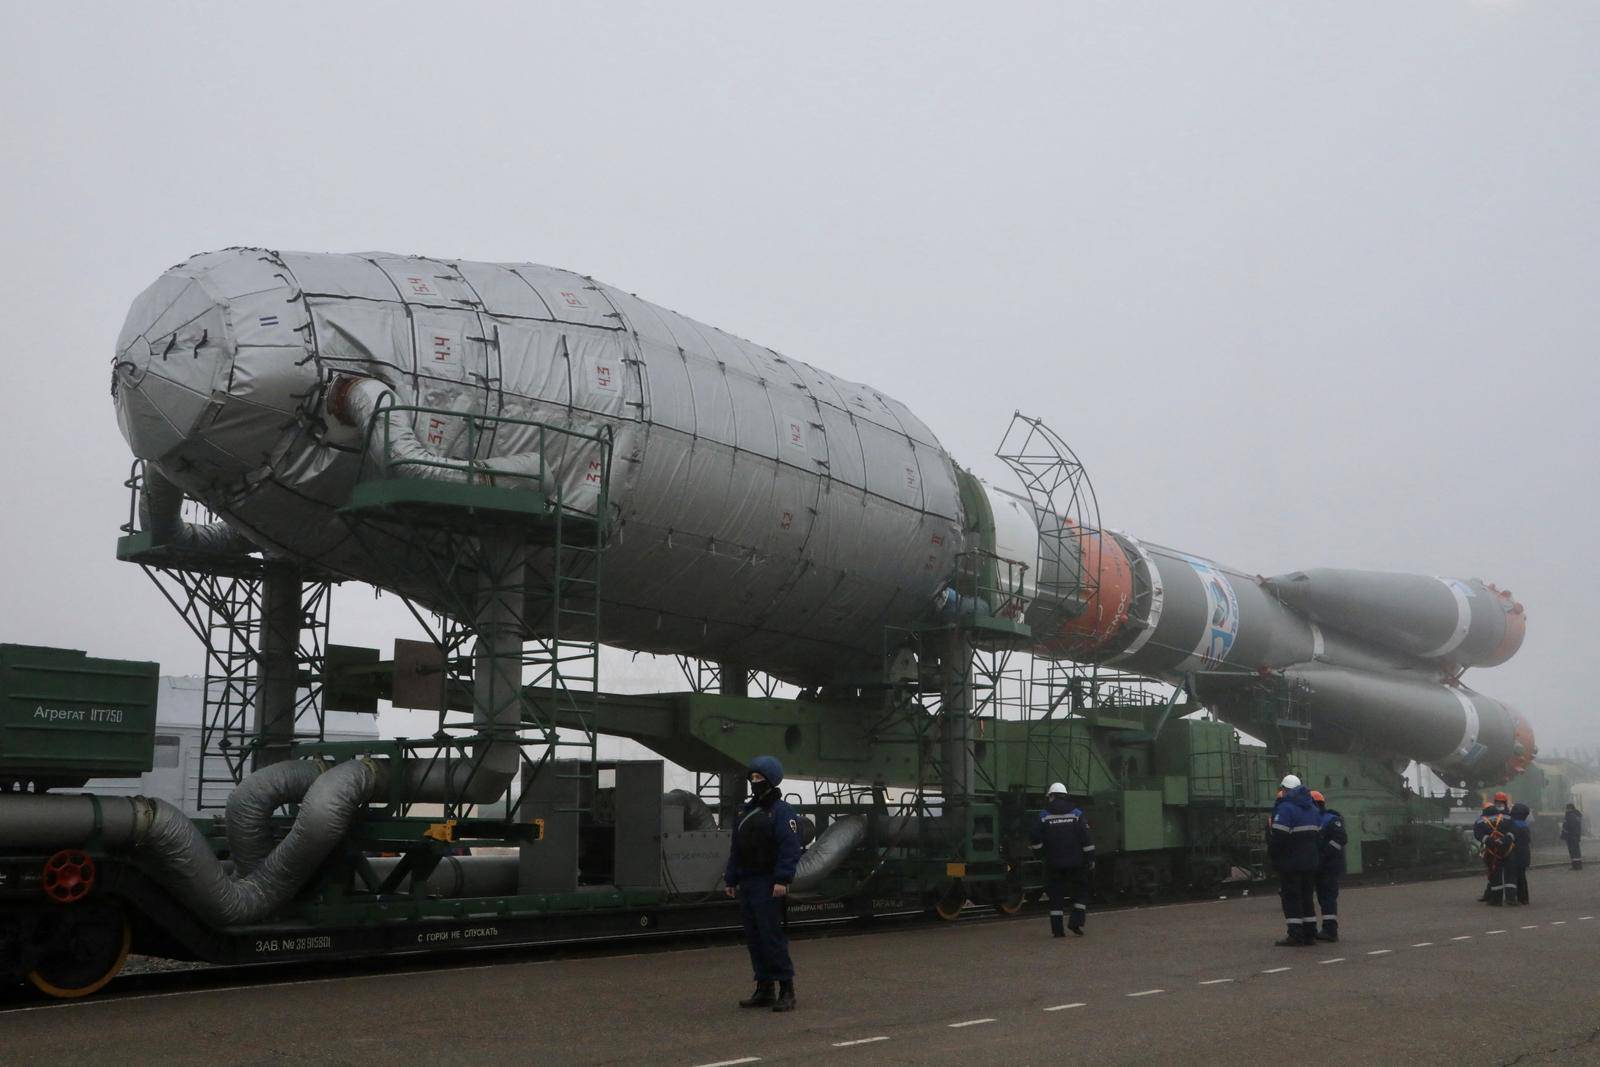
[(1060, 837), (1292, 838), (1572, 834), (1522, 856), (1330, 847), (761, 864)]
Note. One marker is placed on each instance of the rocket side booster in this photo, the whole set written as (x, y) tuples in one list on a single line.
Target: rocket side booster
[(1371, 658), (764, 512), (1468, 623)]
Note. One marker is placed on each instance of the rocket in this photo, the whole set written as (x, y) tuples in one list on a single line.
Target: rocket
[(762, 511)]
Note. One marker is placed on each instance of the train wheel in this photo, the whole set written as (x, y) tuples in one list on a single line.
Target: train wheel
[(79, 949), (948, 904), (1010, 899)]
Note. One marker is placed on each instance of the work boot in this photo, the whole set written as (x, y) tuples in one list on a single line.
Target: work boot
[(1291, 940), (1577, 865), (785, 1001), (1076, 928), (1328, 932), (761, 998), (1055, 927)]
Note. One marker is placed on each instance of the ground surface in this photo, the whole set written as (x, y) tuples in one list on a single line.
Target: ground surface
[(1423, 975)]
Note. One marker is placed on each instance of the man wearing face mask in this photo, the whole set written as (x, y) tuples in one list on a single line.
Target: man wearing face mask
[(761, 864)]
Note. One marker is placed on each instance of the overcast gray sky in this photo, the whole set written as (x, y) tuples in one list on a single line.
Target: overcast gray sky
[(1303, 284)]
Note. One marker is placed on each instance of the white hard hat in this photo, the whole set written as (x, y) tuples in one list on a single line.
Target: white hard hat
[(1057, 787), (1290, 782)]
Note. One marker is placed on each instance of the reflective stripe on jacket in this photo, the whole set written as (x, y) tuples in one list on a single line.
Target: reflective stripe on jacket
[(1293, 835)]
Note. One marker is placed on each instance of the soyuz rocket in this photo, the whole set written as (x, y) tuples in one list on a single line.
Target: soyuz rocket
[(763, 512)]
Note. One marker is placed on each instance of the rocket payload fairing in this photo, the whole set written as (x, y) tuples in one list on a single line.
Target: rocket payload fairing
[(764, 512)]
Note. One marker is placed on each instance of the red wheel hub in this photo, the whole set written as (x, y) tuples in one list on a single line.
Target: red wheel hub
[(68, 876)]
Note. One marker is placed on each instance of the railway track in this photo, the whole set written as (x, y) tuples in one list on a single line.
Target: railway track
[(181, 980)]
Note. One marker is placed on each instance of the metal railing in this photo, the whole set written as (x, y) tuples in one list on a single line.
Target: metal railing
[(471, 436)]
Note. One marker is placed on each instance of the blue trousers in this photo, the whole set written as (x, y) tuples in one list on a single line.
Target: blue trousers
[(1328, 899), (763, 930)]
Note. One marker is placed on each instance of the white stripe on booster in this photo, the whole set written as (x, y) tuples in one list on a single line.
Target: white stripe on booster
[(1463, 619), (1470, 724), (1158, 597)]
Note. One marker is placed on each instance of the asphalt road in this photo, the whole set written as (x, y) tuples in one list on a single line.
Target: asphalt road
[(1423, 975)]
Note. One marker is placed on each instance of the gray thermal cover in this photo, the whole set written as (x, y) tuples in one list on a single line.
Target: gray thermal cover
[(765, 511)]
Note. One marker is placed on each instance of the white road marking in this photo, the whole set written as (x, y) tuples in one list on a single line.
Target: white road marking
[(1276, 970), (1559, 922), (1581, 918), (1064, 1007), (1535, 926), (970, 1022), (1147, 993), (860, 1041), (1380, 952), (1336, 959), (730, 1063), (1422, 944), (1494, 931), (1216, 981)]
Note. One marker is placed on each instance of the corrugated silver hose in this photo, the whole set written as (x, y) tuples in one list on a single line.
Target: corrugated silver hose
[(843, 836), (251, 804), (178, 856), (395, 449), (181, 859), (697, 814), (833, 845), (161, 514)]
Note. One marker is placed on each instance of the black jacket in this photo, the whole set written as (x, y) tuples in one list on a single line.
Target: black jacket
[(1060, 835)]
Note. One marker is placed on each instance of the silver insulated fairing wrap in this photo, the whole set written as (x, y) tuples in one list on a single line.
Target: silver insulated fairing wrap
[(765, 512)]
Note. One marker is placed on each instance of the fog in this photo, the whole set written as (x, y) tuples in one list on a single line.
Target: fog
[(1303, 285)]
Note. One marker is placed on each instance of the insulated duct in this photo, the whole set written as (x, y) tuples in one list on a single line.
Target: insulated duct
[(178, 856), (161, 515), (831, 848), (47, 821), (460, 876), (495, 758), (843, 836), (394, 447), (697, 814), (251, 804)]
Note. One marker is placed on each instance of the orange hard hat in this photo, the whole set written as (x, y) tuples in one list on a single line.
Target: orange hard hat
[(1501, 798), (1318, 797)]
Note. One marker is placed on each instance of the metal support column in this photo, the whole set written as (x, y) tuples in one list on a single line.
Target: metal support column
[(732, 680), (955, 720), (497, 655), (281, 613)]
